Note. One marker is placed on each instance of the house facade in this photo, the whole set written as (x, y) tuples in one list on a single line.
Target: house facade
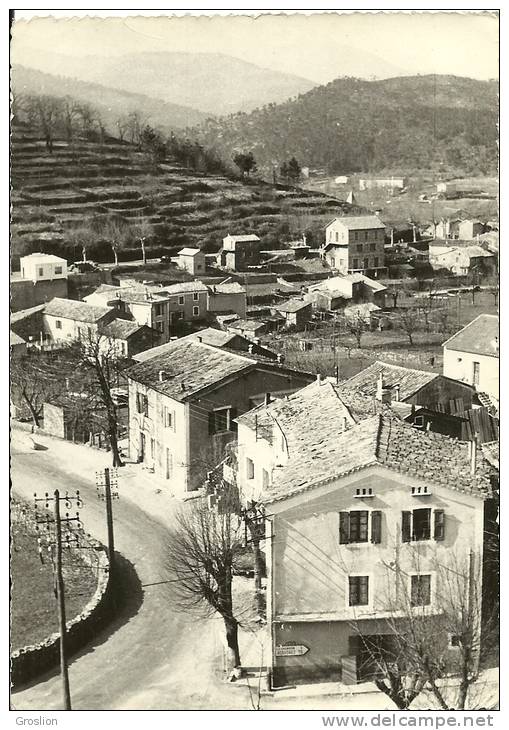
[(192, 260), (183, 402), (355, 244), (472, 355), (296, 313), (239, 252), (225, 298), (65, 320), (338, 291), (461, 260), (41, 278)]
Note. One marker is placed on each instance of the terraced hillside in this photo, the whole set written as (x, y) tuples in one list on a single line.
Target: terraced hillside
[(85, 179)]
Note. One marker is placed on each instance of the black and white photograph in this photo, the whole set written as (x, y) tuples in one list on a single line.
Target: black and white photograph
[(254, 365)]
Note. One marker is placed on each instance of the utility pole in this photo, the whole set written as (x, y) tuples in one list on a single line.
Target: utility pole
[(105, 481), (55, 546)]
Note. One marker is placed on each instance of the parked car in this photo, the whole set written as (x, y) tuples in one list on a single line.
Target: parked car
[(83, 267), (165, 259)]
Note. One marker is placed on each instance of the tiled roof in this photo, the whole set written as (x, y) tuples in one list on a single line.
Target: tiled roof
[(491, 451), (371, 283), (408, 379), (121, 329), (189, 367), (106, 288), (477, 252), (246, 237), (294, 305), (361, 222), (75, 310), (383, 440), (209, 336), (479, 336), (230, 287), (23, 314), (246, 324), (189, 252), (185, 286)]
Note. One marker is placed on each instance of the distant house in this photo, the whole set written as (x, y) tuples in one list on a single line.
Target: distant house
[(42, 276), (239, 252), (192, 260), (129, 338), (341, 180), (461, 260), (336, 292), (183, 402), (225, 298), (65, 320), (392, 183), (296, 312), (355, 244), (472, 355), (250, 328), (470, 229)]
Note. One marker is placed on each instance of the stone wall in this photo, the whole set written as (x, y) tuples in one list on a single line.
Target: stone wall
[(31, 661)]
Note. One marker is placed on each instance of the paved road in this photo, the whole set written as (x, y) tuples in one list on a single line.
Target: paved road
[(152, 657)]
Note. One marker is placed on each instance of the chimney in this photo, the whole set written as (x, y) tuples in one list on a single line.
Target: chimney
[(280, 358), (267, 399), (380, 386), (250, 349), (319, 378), (162, 376), (199, 338), (396, 392)]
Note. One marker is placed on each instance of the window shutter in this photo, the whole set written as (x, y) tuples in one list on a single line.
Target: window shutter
[(363, 590), (212, 422), (138, 403), (376, 527), (233, 414), (344, 528), (439, 531), (406, 518)]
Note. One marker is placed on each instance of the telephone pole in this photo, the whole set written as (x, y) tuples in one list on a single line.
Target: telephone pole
[(55, 546), (104, 482)]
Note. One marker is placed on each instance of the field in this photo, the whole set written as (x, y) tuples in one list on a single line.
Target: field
[(33, 604), (391, 345)]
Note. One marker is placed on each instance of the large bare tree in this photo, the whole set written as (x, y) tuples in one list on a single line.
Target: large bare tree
[(201, 551)]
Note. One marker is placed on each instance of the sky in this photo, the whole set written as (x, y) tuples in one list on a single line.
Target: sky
[(319, 47)]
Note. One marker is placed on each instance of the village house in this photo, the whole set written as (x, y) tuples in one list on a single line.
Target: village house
[(393, 183), (42, 276), (239, 252), (472, 355), (225, 298), (296, 313), (126, 339), (461, 260), (192, 260), (348, 490), (183, 402), (469, 229), (250, 328), (334, 293), (355, 244), (17, 345), (66, 320)]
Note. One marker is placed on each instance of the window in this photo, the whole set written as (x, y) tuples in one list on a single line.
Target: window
[(41, 271), (181, 300), (337, 236), (358, 590), (58, 324), (142, 403), (58, 269), (332, 261), (196, 296), (356, 263), (265, 478), (355, 236), (358, 248), (221, 420), (420, 590), (454, 641), (366, 235), (158, 309), (476, 372), (416, 524), (375, 261), (249, 469), (196, 311), (372, 246), (168, 418), (354, 526)]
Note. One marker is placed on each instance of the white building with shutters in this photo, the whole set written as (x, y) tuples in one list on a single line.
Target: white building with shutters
[(363, 515)]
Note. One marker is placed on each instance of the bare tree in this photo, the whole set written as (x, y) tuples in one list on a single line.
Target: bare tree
[(442, 317), (422, 646), (118, 234), (122, 126), (30, 384), (70, 115), (408, 321), (143, 231), (46, 113), (81, 236), (357, 325), (201, 550)]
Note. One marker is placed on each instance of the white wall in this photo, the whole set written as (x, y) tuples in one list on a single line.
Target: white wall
[(40, 269), (459, 365)]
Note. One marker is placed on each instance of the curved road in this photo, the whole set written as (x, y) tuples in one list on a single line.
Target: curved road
[(151, 657)]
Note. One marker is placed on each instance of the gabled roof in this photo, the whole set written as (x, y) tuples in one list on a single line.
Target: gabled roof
[(243, 238), (480, 336), (188, 368), (75, 310), (408, 379), (122, 329), (227, 287), (184, 286), (209, 336), (23, 314), (360, 222), (293, 305), (44, 258), (189, 252), (383, 440), (250, 325), (15, 339)]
